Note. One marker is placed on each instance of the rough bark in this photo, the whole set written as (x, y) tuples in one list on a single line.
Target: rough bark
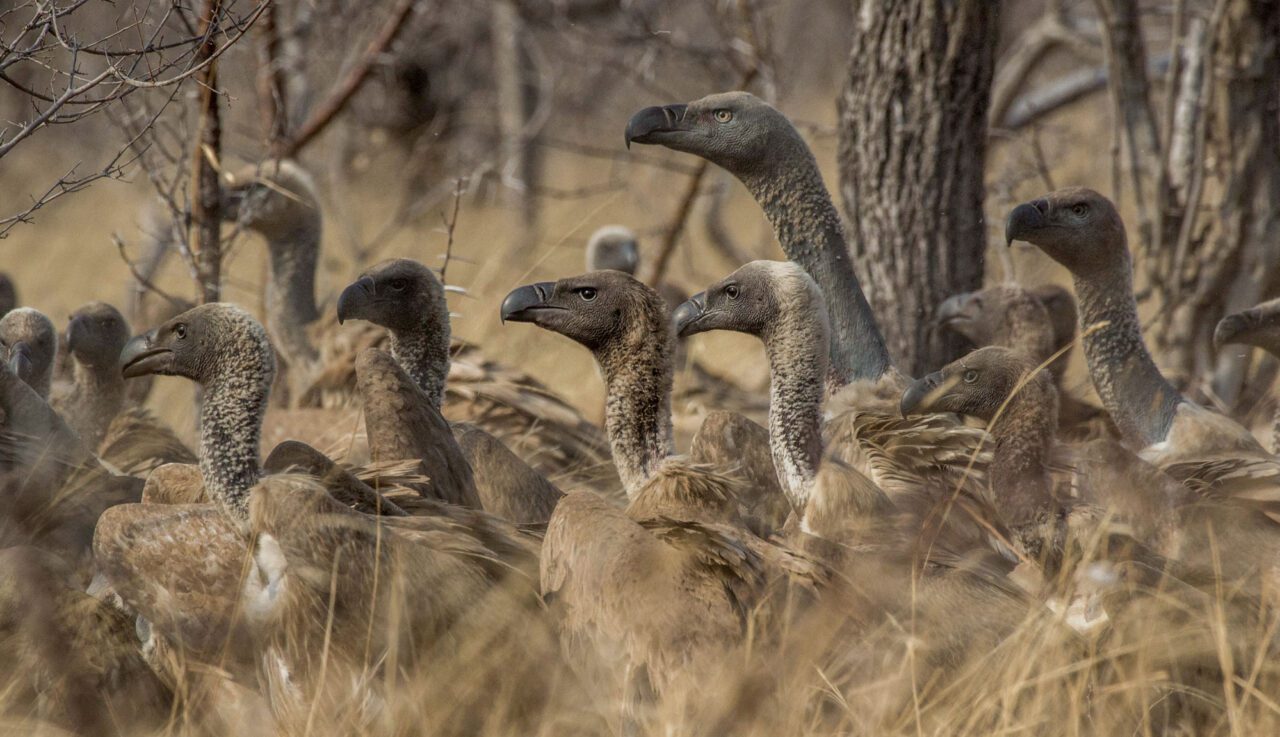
[(913, 121), (206, 220)]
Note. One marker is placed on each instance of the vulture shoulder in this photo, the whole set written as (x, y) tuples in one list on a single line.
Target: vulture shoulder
[(686, 491), (136, 443), (507, 486), (740, 447), (402, 424)]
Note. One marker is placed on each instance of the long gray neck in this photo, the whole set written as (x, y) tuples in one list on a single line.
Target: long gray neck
[(291, 295), (100, 395), (1022, 437), (230, 434), (793, 196), (1134, 392), (798, 363), (638, 408)]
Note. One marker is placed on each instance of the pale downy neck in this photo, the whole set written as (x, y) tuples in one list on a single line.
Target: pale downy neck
[(1133, 391), (638, 377), (99, 395), (291, 295), (230, 434), (790, 190), (798, 363), (1022, 436)]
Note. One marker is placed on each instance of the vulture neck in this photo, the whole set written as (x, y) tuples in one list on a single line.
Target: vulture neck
[(291, 297), (637, 377), (423, 353), (796, 347), (1025, 331), (790, 190), (1022, 436), (1136, 395), (230, 434), (100, 393)]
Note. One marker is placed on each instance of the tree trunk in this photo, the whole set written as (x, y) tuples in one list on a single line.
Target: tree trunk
[(913, 123), (206, 217)]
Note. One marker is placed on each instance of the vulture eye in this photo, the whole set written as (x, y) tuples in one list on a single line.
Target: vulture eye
[(723, 116), (399, 284), (588, 294), (732, 291), (180, 330), (970, 376), (1080, 209)]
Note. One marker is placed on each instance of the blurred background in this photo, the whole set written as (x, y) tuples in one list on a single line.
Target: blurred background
[(499, 126)]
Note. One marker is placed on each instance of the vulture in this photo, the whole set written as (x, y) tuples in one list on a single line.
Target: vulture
[(1081, 229), (278, 200), (756, 143), (8, 293), (1022, 319), (1258, 326), (667, 583), (310, 558), (407, 299)]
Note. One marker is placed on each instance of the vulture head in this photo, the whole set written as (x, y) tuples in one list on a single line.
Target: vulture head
[(276, 198), (29, 344), (735, 130), (599, 309), (613, 247), (206, 344), (96, 334), (751, 300), (1257, 326), (395, 294), (1076, 226), (976, 385), (987, 316)]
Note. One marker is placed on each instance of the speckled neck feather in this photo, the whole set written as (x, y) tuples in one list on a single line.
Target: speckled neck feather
[(796, 346), (1024, 329), (638, 375), (291, 295), (423, 352), (235, 400), (1134, 392), (1022, 437), (790, 190)]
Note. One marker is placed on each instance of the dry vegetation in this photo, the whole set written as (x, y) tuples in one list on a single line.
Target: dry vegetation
[(1181, 661)]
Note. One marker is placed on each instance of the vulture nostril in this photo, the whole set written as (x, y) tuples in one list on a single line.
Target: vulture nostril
[(1042, 205)]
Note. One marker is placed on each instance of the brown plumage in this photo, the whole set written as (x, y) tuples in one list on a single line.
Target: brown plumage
[(1210, 453), (71, 659), (666, 585), (506, 485), (732, 442), (183, 567), (8, 294)]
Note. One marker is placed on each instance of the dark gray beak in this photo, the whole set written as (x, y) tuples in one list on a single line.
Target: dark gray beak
[(1230, 328), (523, 304), (141, 357), (1025, 220), (647, 125), (20, 362), (913, 399), (354, 300), (688, 313)]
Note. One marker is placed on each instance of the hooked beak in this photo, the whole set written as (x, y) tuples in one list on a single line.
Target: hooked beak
[(1025, 220), (76, 333), (688, 314), (918, 399), (952, 310), (524, 304), (20, 362), (1230, 328), (648, 125), (355, 299), (140, 357)]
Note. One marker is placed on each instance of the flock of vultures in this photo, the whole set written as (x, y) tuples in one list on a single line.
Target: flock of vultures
[(485, 560)]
